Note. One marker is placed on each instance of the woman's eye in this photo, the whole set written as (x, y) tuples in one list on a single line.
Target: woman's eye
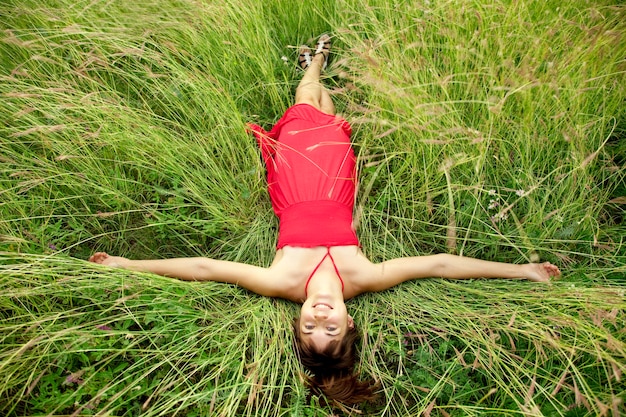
[(309, 326), (331, 329)]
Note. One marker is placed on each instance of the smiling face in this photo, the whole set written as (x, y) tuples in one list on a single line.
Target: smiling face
[(323, 320)]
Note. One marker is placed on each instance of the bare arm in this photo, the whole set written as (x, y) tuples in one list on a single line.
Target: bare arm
[(251, 277), (396, 271)]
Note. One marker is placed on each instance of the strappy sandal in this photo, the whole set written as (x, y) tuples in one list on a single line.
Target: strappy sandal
[(305, 58), (323, 47)]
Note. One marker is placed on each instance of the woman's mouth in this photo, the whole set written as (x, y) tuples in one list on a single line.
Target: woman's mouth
[(322, 306)]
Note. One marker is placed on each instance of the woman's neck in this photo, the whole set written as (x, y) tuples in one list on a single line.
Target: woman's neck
[(326, 283)]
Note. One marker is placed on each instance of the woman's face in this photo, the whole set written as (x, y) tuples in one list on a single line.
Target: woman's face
[(322, 320)]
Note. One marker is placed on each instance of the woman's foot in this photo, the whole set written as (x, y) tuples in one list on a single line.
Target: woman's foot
[(305, 58), (323, 47)]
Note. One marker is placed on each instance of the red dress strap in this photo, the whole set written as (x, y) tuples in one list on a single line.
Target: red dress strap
[(306, 286)]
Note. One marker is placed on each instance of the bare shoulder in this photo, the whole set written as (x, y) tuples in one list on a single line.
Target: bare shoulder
[(287, 274)]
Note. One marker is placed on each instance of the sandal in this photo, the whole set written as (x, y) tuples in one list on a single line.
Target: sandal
[(305, 58), (323, 47)]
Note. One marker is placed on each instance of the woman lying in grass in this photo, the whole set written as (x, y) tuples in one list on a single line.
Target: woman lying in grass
[(311, 172)]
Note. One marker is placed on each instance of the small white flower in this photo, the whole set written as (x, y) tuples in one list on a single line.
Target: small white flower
[(499, 217), (285, 59), (493, 204), (520, 193), (492, 192)]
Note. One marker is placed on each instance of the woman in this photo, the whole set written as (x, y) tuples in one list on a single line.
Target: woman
[(311, 172)]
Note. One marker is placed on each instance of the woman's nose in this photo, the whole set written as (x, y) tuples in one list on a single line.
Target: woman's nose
[(320, 315)]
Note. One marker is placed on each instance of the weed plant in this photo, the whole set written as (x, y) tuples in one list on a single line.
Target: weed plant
[(491, 129)]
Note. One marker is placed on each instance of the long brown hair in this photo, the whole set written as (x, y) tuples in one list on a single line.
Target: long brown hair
[(333, 368)]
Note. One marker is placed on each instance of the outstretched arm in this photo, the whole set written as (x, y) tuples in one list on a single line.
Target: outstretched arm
[(396, 271), (251, 277)]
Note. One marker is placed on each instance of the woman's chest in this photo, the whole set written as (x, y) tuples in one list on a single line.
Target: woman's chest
[(297, 268)]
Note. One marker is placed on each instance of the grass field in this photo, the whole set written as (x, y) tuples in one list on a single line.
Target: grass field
[(492, 129)]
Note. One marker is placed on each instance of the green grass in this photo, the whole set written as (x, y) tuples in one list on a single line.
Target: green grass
[(489, 129)]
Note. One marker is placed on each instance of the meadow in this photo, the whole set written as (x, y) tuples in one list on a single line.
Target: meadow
[(493, 129)]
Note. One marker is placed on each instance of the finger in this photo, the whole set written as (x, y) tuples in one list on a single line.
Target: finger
[(98, 257), (555, 270)]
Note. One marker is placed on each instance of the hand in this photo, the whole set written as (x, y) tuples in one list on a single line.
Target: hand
[(104, 258), (541, 272)]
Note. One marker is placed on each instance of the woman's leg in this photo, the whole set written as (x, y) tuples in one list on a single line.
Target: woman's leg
[(310, 90), (326, 103)]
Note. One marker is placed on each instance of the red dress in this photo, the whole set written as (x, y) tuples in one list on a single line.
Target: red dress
[(311, 176)]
